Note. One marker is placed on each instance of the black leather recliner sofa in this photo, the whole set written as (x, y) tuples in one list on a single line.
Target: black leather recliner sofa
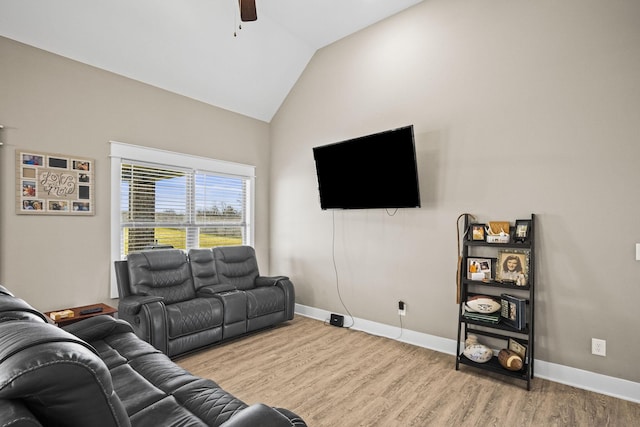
[(98, 373), (180, 302)]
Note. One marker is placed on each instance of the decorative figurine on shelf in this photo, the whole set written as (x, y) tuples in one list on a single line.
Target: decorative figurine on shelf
[(475, 351), (471, 340)]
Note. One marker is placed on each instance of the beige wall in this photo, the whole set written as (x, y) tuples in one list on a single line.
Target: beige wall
[(49, 103), (518, 107)]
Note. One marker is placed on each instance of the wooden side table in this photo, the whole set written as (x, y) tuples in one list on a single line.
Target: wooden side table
[(106, 309)]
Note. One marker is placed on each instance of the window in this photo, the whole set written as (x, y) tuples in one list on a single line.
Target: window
[(162, 198)]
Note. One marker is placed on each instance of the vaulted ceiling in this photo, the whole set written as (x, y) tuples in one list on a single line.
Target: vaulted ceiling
[(195, 47)]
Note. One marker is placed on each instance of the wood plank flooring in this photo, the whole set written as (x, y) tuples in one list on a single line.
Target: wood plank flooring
[(338, 377)]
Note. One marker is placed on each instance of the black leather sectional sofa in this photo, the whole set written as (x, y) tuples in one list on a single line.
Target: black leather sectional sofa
[(181, 302), (98, 373)]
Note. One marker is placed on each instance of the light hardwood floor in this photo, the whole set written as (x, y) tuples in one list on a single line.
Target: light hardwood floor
[(338, 377)]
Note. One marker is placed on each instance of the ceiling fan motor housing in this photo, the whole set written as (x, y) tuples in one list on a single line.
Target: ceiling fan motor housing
[(248, 10)]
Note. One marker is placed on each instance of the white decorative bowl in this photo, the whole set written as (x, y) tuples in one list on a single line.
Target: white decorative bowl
[(478, 353)]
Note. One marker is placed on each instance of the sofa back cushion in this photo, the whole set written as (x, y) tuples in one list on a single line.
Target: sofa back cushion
[(12, 308), (161, 272), (54, 375), (236, 265), (203, 267)]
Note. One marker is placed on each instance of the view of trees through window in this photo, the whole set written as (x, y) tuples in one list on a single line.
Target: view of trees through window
[(164, 206)]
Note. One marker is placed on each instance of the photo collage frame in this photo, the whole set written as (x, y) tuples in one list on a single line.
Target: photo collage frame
[(54, 184)]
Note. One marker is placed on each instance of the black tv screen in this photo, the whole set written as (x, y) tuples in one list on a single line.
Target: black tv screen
[(369, 172)]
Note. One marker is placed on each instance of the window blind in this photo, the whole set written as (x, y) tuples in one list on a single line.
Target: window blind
[(163, 205)]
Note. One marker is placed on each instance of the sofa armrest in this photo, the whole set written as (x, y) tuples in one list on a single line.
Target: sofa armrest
[(269, 281), (148, 317), (15, 414), (57, 376), (131, 305), (286, 285), (211, 290), (263, 416)]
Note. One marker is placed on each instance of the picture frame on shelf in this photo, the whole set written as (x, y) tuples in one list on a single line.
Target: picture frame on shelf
[(477, 232), (480, 268), (522, 231), (517, 347), (513, 311), (513, 267)]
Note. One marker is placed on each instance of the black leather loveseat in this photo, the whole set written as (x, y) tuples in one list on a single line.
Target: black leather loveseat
[(98, 373), (180, 302)]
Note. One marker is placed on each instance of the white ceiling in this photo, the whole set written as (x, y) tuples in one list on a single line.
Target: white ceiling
[(188, 46)]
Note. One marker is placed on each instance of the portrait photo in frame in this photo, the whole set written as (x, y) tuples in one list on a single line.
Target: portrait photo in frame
[(513, 267), (477, 232)]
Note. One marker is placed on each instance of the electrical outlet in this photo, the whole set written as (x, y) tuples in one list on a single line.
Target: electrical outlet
[(598, 347), (402, 308)]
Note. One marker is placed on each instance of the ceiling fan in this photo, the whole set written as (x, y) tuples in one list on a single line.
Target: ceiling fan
[(248, 10)]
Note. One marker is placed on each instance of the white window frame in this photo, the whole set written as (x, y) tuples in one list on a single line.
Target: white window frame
[(120, 151)]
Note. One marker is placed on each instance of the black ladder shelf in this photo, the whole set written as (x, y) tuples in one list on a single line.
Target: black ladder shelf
[(497, 332)]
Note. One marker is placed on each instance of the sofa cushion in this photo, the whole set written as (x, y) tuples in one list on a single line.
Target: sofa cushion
[(166, 412), (194, 315), (158, 392), (236, 265), (134, 390), (203, 268), (210, 403), (162, 272), (265, 300)]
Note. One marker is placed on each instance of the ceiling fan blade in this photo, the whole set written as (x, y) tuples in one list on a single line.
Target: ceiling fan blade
[(248, 10)]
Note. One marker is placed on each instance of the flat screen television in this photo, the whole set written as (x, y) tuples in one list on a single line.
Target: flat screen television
[(370, 172)]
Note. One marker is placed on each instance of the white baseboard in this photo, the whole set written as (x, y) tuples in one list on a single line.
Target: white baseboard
[(603, 384)]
